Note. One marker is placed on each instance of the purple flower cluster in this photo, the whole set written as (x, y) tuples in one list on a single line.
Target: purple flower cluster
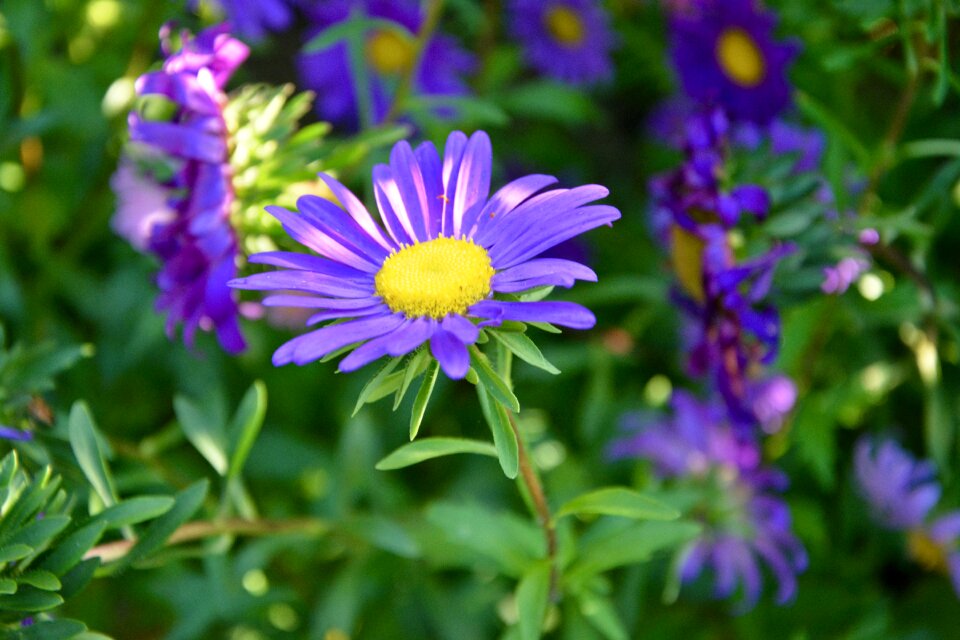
[(388, 54), (745, 521), (902, 492), (196, 245), (733, 331)]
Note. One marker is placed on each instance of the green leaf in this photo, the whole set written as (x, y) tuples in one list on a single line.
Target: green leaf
[(30, 600), (78, 577), (134, 510), (14, 552), (601, 613), (423, 397), (618, 501), (385, 534), (86, 448), (533, 593), (71, 549), (504, 437), (525, 349), (8, 586), (185, 505), (51, 630), (245, 426), (205, 433), (40, 579), (629, 545), (382, 384), (492, 381), (418, 361), (428, 448), (29, 503), (39, 533)]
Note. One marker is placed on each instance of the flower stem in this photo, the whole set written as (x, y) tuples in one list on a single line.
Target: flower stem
[(432, 17), (531, 481)]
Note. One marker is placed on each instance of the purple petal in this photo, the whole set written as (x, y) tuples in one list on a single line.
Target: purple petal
[(391, 206), (303, 230), (304, 281), (565, 314), (450, 353), (316, 344), (463, 329), (356, 210), (473, 182), (306, 262), (541, 272), (399, 342)]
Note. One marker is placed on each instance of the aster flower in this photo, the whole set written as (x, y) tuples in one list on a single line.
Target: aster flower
[(9, 433), (448, 260), (252, 19), (902, 492), (566, 39), (198, 247), (389, 53), (142, 204), (746, 523), (725, 55)]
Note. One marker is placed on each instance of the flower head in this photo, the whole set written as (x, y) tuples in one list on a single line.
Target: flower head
[(725, 54), (745, 521), (902, 492), (142, 204), (254, 18), (388, 53), (567, 39), (433, 271), (197, 246)]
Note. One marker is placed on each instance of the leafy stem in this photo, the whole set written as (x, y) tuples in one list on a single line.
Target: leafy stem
[(432, 17)]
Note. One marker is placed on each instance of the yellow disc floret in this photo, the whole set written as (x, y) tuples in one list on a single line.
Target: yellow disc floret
[(435, 278), (389, 53), (565, 25), (926, 551), (740, 58)]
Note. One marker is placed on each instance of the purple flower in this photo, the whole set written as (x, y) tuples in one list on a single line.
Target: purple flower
[(431, 272), (725, 55), (745, 522), (9, 433), (566, 39), (142, 204), (807, 145), (198, 247), (388, 54), (902, 492), (252, 19), (837, 279)]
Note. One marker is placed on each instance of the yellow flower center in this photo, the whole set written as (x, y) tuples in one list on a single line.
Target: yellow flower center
[(740, 57), (686, 252), (435, 278), (926, 551), (565, 25), (389, 53)]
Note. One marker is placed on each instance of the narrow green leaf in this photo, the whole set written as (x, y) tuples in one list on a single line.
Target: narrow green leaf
[(492, 381), (29, 503), (205, 433), (629, 545), (185, 505), (533, 593), (618, 501), (428, 448), (30, 600), (504, 437), (423, 397), (525, 349), (71, 549), (376, 383), (78, 577), (245, 426), (39, 533), (417, 362), (601, 613), (134, 510), (40, 579), (385, 534), (52, 630), (86, 448), (14, 552), (7, 586)]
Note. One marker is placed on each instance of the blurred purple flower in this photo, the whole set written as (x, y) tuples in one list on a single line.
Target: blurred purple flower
[(808, 145), (837, 279), (9, 433), (198, 247), (142, 204), (569, 40), (725, 55), (388, 54), (745, 521), (252, 19)]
